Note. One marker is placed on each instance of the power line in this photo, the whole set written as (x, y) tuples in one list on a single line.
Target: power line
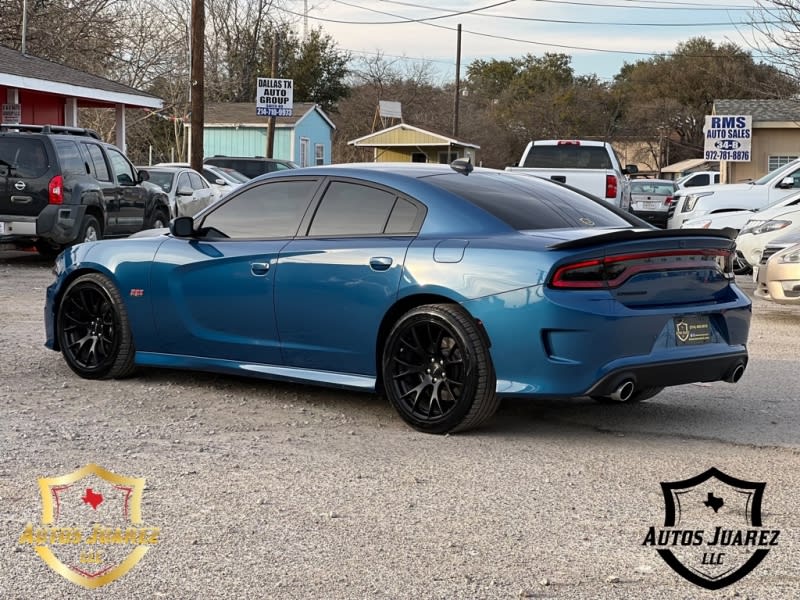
[(677, 6)]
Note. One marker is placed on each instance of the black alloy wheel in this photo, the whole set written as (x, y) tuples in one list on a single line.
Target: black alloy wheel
[(437, 371), (93, 330)]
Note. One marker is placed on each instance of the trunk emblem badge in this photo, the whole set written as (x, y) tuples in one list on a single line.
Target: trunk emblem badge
[(20, 185)]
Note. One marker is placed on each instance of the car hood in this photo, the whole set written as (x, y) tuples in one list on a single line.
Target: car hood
[(717, 187)]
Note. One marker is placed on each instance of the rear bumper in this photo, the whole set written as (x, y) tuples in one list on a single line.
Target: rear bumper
[(58, 223), (674, 372)]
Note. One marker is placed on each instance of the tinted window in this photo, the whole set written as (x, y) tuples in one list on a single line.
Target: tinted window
[(69, 155), (352, 209), (658, 188), (27, 156), (697, 181), (568, 156), (269, 210), (99, 167), (403, 218), (525, 202)]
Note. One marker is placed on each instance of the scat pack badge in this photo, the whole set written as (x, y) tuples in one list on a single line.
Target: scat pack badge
[(91, 531), (712, 534)]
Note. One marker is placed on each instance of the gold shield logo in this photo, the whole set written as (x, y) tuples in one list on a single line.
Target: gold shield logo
[(91, 531)]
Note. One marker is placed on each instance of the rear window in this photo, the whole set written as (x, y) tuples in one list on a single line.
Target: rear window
[(526, 203), (25, 157), (650, 187), (162, 179), (568, 156)]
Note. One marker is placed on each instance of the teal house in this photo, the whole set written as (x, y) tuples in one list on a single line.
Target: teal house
[(233, 129)]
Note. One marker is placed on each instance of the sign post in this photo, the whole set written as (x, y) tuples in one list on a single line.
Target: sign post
[(274, 97), (728, 137)]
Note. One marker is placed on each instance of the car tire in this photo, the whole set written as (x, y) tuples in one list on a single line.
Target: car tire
[(93, 329), (637, 396), (90, 230), (437, 370), (160, 219)]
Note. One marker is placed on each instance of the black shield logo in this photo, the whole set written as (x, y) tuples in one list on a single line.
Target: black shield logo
[(723, 513)]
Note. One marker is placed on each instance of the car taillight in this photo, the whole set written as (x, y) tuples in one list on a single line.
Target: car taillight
[(55, 190), (667, 200), (613, 271), (611, 186)]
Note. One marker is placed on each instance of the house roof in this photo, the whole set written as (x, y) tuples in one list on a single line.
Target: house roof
[(761, 110), (388, 137), (244, 114), (690, 164), (28, 72)]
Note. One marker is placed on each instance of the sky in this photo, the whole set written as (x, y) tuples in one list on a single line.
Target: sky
[(599, 35)]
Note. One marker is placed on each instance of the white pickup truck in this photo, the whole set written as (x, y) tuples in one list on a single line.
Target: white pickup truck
[(693, 203), (587, 165)]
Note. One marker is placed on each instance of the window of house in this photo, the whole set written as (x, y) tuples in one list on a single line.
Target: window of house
[(447, 157), (778, 161), (319, 154)]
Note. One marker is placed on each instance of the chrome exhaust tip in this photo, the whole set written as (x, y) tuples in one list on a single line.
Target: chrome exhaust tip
[(624, 391)]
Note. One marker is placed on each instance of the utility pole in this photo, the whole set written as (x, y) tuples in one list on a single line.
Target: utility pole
[(273, 74), (24, 46), (456, 100), (198, 83)]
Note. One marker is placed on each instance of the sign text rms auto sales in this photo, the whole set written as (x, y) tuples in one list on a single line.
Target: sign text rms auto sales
[(274, 97), (728, 137)]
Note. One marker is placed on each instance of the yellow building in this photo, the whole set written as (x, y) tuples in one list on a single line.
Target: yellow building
[(406, 143)]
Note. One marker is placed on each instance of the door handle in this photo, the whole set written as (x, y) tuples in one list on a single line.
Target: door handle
[(380, 263), (259, 268)]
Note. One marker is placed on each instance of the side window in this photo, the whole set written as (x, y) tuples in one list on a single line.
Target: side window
[(352, 209), (183, 181), (123, 170), (716, 178), (270, 210), (404, 217), (98, 167), (280, 167), (197, 183), (69, 155), (698, 181)]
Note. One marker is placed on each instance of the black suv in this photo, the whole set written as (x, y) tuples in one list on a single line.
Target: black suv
[(251, 166), (62, 185)]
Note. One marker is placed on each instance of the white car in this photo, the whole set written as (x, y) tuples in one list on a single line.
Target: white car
[(187, 190), (693, 203), (736, 219), (698, 179), (223, 180), (764, 227)]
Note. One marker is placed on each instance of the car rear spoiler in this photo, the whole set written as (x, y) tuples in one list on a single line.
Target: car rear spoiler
[(624, 235)]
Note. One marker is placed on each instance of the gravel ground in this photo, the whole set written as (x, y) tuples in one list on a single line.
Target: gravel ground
[(267, 490)]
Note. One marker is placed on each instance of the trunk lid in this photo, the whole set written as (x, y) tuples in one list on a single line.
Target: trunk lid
[(649, 268)]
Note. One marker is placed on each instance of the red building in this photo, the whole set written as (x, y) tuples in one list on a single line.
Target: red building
[(41, 92)]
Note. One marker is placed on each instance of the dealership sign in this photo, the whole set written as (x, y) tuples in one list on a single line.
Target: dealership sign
[(274, 97), (728, 137)]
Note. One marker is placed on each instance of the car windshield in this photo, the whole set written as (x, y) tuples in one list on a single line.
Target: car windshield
[(231, 174), (528, 203), (162, 179), (658, 188), (765, 179)]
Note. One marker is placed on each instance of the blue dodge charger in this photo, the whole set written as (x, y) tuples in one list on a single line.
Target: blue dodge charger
[(444, 287)]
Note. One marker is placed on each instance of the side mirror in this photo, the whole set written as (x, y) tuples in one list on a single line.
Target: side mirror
[(786, 182), (185, 190), (221, 181), (182, 227), (143, 176), (630, 170)]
